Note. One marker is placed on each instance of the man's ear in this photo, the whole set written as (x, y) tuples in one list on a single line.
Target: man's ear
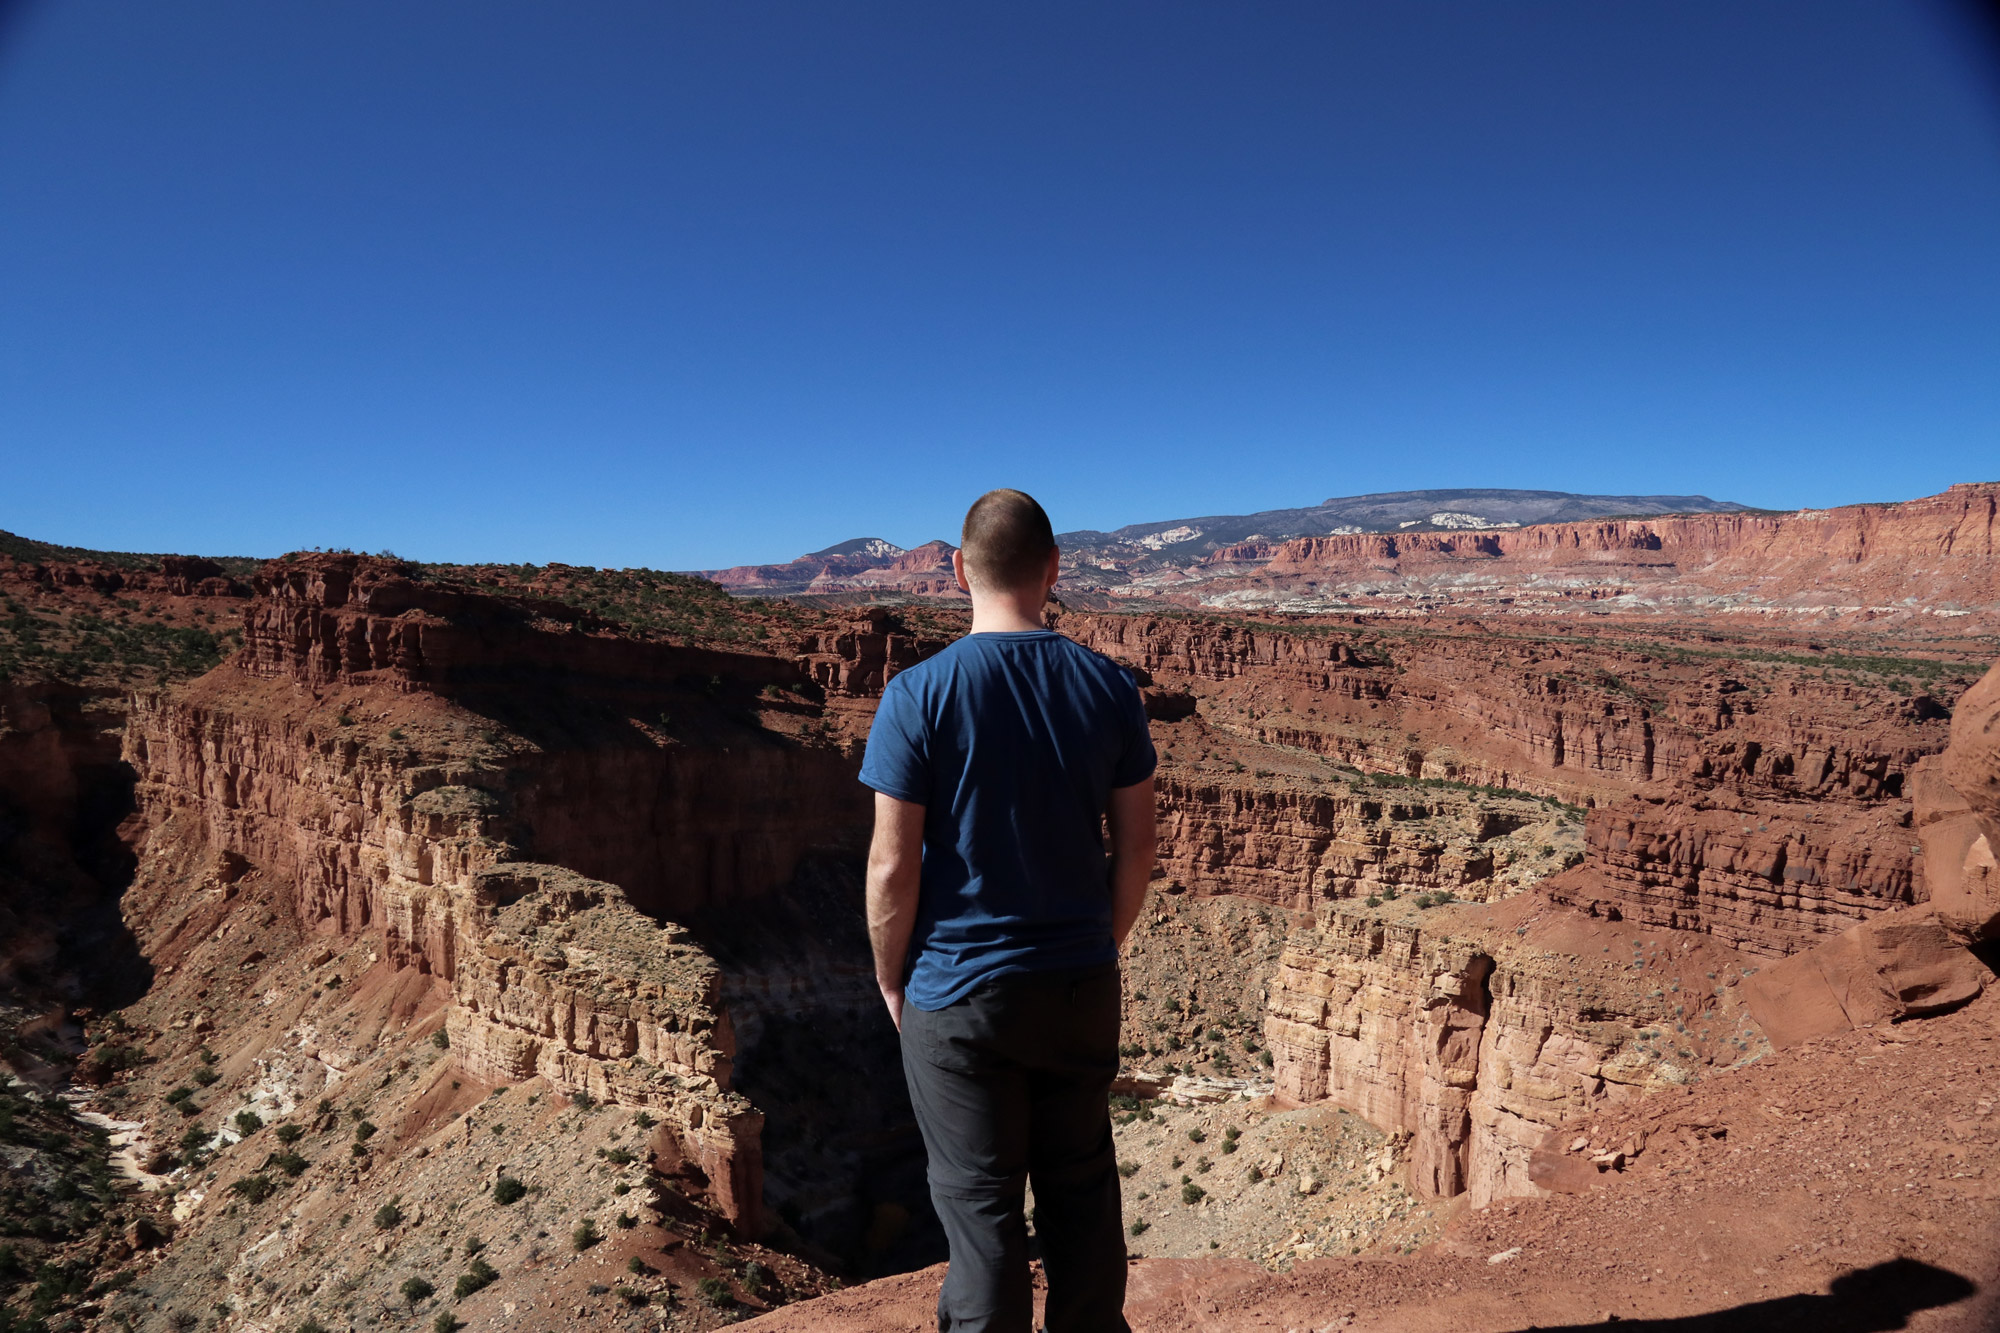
[(958, 572), (1055, 568)]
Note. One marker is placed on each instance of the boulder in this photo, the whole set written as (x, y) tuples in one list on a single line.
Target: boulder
[(1902, 965)]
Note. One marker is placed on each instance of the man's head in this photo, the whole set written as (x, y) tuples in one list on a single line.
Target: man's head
[(1007, 545)]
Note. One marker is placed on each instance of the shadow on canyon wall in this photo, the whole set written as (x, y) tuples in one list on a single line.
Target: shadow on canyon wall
[(64, 793), (1866, 1300), (843, 1160)]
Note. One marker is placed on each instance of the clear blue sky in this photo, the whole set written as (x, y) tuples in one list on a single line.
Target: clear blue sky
[(691, 284)]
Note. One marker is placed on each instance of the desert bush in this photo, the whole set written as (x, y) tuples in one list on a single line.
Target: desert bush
[(254, 1188), (480, 1275), (388, 1215), (715, 1291), (508, 1190), (416, 1289), (248, 1123), (289, 1134), (584, 1235)]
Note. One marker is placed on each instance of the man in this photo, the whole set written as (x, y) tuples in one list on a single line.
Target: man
[(996, 922)]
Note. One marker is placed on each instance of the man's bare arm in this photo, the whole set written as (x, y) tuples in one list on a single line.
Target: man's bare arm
[(895, 863), (1132, 830)]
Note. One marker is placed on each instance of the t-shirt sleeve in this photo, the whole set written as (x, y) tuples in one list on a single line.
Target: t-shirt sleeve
[(898, 759), (1137, 762)]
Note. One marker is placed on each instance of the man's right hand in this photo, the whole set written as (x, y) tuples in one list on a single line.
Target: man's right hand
[(895, 866)]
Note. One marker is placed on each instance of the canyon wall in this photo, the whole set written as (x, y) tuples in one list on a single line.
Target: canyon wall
[(343, 755), (1476, 1030), (1934, 558)]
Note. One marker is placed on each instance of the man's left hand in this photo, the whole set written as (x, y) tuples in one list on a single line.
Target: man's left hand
[(893, 997)]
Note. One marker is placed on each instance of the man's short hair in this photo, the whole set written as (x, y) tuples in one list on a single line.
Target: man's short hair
[(1007, 540)]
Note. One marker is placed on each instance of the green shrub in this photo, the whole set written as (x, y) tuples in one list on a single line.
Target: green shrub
[(618, 1156), (115, 1057), (632, 1296), (254, 1188), (481, 1274), (1128, 1169), (206, 1077), (311, 1326), (289, 1134), (757, 1278), (416, 1289), (441, 1039), (1196, 1135), (179, 1094), (644, 1121), (626, 1221), (289, 1162), (585, 1235), (248, 1123), (1139, 1226), (715, 1291), (446, 1322), (508, 1190), (364, 1132), (1192, 1193), (387, 1216), (194, 1138)]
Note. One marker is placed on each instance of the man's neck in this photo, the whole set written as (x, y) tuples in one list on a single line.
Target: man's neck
[(1005, 615)]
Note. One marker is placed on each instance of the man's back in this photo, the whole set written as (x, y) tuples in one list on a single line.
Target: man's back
[(995, 917), (1013, 743)]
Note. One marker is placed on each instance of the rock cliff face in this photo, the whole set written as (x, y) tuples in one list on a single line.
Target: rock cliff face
[(1296, 848), (1769, 876), (335, 758), (1937, 558), (1571, 715), (1476, 1030)]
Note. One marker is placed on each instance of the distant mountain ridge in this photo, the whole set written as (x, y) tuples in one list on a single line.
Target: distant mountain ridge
[(1394, 511), (871, 564)]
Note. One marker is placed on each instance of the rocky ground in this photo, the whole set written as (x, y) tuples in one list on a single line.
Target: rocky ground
[(1246, 1178), (1850, 1184)]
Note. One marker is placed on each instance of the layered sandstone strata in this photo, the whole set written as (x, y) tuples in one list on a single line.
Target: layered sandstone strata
[(1567, 716), (1934, 557), (1294, 847), (1476, 1030), (326, 759), (1767, 875)]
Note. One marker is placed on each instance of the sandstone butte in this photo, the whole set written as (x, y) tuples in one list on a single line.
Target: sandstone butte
[(1646, 954)]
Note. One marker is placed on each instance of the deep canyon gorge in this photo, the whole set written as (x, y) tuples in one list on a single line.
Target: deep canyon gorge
[(1583, 920)]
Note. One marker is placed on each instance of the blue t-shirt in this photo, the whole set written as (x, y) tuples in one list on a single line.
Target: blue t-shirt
[(1012, 742)]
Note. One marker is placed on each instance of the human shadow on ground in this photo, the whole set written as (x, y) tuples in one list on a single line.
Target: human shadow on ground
[(1866, 1300)]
